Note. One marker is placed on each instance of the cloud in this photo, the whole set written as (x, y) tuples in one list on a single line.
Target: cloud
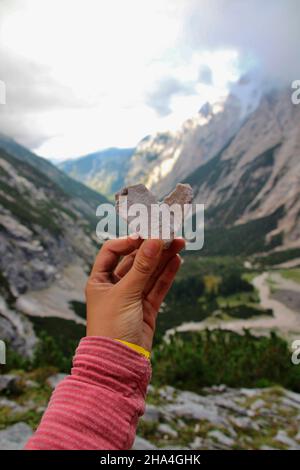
[(266, 32), (205, 75), (79, 89), (161, 96), (30, 91)]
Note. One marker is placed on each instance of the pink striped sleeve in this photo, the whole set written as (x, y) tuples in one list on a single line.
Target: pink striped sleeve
[(98, 405)]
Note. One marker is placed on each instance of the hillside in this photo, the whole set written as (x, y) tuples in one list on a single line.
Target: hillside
[(47, 222), (86, 199), (42, 228), (257, 174), (103, 171)]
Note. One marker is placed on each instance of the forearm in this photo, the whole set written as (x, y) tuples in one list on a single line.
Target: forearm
[(98, 405)]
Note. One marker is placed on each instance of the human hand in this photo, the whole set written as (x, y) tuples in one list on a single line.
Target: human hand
[(123, 298)]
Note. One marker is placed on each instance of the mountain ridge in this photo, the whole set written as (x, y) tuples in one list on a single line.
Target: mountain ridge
[(46, 220), (103, 171)]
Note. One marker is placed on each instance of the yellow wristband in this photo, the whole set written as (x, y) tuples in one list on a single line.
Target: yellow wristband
[(136, 348)]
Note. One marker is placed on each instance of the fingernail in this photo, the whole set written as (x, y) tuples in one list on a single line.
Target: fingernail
[(134, 236), (151, 248)]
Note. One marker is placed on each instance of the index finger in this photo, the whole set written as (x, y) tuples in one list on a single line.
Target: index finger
[(110, 253)]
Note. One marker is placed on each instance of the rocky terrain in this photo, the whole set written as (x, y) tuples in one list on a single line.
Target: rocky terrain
[(41, 227), (216, 418), (221, 418), (47, 223)]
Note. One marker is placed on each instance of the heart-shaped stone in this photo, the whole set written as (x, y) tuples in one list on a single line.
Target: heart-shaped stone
[(156, 218)]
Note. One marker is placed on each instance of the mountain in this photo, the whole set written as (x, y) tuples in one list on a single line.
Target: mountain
[(87, 200), (47, 245), (243, 164), (103, 171), (161, 160), (46, 220), (258, 172)]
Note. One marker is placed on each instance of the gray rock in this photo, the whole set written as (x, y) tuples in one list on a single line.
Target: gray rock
[(284, 439), (10, 383), (152, 413), (196, 411), (170, 447), (167, 393), (267, 448), (12, 405), (15, 407), (187, 397), (290, 403), (292, 396), (228, 404), (31, 384), (250, 392), (166, 429), (142, 444), (54, 380), (15, 437), (219, 388), (244, 422), (17, 330), (197, 443), (257, 404), (150, 389), (221, 438)]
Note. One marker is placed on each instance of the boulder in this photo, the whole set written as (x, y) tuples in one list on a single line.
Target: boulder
[(15, 437), (166, 429), (142, 444), (221, 438), (152, 413), (10, 383)]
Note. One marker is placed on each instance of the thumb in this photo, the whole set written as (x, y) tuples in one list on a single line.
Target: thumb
[(145, 263)]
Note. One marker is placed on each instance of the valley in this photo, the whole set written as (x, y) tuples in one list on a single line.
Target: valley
[(285, 319), (223, 333)]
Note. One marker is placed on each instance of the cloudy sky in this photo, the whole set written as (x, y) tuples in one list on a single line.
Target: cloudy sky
[(82, 75)]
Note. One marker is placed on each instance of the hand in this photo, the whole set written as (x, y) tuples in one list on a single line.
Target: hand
[(123, 299)]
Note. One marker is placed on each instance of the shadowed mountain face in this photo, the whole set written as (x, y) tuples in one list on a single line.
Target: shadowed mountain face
[(257, 173), (103, 171), (47, 220)]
